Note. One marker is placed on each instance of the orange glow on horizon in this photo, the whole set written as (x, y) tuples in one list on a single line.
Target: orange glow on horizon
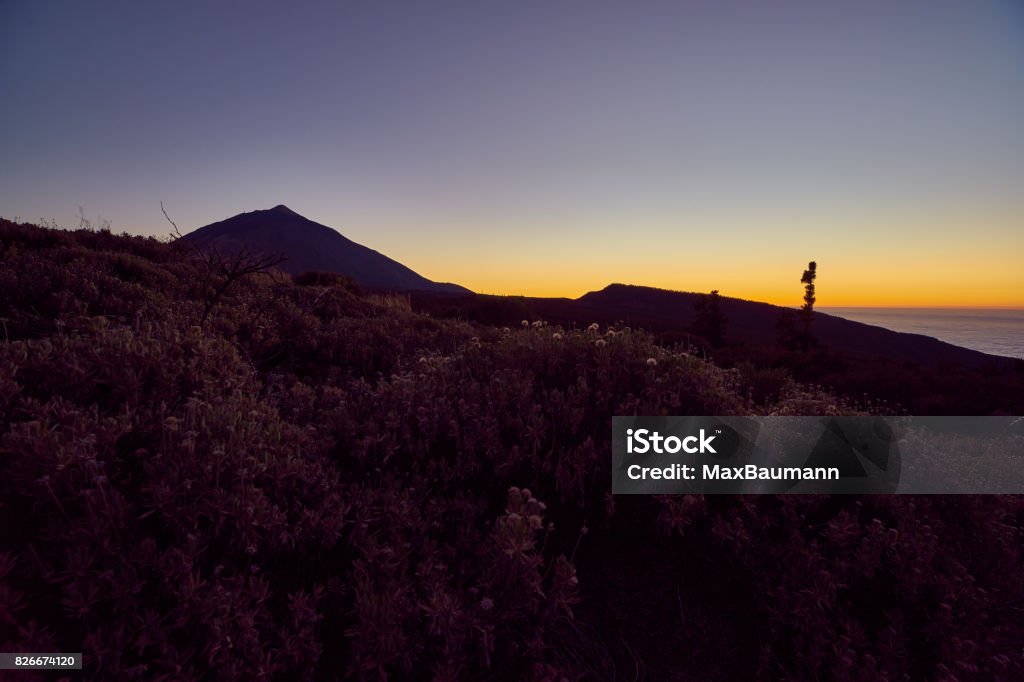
[(836, 286), (839, 284), (826, 299), (935, 258)]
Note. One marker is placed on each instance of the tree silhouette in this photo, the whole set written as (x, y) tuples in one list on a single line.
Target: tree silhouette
[(785, 329), (219, 270), (710, 319), (807, 309), (787, 332)]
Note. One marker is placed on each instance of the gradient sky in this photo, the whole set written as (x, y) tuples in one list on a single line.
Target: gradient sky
[(548, 148)]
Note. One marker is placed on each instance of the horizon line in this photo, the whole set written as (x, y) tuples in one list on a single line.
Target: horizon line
[(571, 296)]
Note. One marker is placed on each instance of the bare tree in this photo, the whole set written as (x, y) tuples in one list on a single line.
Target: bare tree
[(175, 234), (224, 269), (220, 270)]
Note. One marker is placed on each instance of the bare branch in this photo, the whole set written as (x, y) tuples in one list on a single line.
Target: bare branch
[(176, 234), (228, 270)]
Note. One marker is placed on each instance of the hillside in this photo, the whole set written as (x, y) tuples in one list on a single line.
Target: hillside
[(755, 322), (309, 246), (749, 322), (312, 483)]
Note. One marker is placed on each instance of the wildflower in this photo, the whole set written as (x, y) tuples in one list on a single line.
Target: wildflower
[(526, 323), (651, 362), (537, 324), (486, 603), (600, 343), (556, 336), (593, 327)]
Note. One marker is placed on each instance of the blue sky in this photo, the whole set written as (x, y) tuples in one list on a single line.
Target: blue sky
[(546, 148)]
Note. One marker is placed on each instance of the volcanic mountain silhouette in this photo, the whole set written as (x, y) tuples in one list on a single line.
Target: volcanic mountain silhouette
[(310, 246)]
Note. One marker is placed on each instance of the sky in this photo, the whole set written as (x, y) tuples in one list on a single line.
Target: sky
[(548, 148)]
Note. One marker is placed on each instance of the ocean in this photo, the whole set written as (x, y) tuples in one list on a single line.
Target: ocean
[(990, 330)]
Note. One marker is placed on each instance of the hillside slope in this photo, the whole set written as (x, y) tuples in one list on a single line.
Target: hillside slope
[(753, 321), (310, 484), (672, 312)]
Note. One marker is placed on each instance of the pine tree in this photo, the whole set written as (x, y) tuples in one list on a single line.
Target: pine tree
[(807, 309)]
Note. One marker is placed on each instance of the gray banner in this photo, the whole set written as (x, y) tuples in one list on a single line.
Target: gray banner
[(863, 454)]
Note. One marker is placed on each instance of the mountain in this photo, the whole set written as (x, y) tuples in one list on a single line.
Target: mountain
[(310, 246), (755, 322), (672, 313)]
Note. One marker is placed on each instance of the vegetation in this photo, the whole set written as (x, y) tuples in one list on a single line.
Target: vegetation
[(807, 309), (303, 482), (794, 329), (710, 321)]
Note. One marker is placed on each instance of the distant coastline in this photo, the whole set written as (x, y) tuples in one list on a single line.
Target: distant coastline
[(997, 331)]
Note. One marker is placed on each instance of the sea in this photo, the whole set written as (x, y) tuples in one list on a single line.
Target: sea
[(999, 331)]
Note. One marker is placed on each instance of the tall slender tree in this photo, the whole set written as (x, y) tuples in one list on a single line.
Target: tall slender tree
[(807, 309)]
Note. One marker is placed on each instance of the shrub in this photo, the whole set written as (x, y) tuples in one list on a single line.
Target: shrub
[(316, 484)]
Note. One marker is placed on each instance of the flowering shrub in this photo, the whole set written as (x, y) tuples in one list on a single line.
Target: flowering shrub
[(310, 483)]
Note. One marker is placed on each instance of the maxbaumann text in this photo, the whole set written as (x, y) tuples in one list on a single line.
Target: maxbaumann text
[(748, 472)]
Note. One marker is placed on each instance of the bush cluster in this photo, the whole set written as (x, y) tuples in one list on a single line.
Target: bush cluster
[(316, 484)]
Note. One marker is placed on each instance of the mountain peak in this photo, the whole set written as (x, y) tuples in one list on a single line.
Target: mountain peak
[(312, 247), (282, 209)]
